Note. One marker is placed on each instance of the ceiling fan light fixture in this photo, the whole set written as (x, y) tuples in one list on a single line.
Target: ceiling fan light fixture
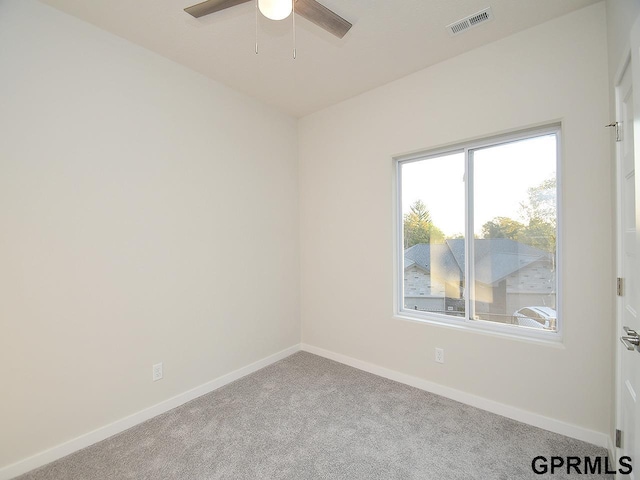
[(275, 9)]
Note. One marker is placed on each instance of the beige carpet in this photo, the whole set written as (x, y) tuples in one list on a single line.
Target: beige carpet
[(306, 417)]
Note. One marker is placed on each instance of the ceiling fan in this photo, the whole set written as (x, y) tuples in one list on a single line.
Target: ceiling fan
[(309, 9)]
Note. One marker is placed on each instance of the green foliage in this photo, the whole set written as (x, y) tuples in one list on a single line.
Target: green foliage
[(541, 202), (540, 212), (539, 215), (418, 227), (502, 227), (539, 234), (537, 228)]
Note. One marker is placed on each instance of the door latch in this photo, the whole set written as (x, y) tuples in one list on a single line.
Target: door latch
[(632, 340)]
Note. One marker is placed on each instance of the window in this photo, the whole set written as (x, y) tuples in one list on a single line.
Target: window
[(477, 233)]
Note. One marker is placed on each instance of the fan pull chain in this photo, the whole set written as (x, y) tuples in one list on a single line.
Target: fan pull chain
[(293, 14), (256, 27)]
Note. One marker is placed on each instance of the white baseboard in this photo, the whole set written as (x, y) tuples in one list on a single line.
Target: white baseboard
[(524, 416), (102, 433)]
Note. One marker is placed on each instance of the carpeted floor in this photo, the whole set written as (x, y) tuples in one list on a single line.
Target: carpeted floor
[(306, 418)]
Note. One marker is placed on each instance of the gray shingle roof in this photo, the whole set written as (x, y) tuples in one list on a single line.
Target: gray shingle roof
[(495, 258)]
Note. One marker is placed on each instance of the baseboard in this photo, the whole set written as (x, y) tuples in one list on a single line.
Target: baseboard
[(524, 416), (102, 433)]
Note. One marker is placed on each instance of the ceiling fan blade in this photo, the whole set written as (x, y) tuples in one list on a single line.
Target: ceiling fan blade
[(212, 6), (323, 17), (309, 9)]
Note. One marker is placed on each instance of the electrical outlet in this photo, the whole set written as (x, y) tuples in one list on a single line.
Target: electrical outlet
[(157, 372), (439, 355)]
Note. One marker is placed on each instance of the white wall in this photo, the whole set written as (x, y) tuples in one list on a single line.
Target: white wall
[(556, 71), (137, 202), (621, 15)]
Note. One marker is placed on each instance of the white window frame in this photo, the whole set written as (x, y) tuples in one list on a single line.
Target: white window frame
[(467, 323)]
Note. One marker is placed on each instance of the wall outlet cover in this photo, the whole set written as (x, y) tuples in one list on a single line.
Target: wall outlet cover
[(157, 372)]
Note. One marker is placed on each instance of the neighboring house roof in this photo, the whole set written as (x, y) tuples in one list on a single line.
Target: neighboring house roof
[(436, 258), (495, 258)]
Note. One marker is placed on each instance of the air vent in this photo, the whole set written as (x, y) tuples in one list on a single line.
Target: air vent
[(469, 22)]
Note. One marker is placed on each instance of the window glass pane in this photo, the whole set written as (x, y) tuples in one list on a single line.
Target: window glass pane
[(514, 246), (433, 215)]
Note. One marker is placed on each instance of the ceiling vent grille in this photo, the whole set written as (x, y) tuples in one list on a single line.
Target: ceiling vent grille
[(469, 22)]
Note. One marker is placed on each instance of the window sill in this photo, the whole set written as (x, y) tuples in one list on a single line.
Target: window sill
[(544, 338)]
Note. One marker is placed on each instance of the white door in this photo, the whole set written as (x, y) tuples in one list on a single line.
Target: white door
[(628, 388)]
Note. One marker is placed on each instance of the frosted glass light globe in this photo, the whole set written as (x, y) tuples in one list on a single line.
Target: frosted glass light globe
[(275, 9)]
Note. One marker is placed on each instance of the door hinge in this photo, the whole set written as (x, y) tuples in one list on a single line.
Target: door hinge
[(618, 438), (616, 125), (619, 286)]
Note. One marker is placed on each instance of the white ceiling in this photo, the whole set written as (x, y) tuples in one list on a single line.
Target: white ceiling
[(389, 39)]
